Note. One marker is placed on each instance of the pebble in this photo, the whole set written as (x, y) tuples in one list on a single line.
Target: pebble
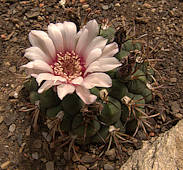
[(81, 167), (35, 155), (153, 10), (28, 131), (39, 18), (32, 14), (14, 94), (173, 80), (12, 127), (85, 6), (13, 69), (87, 159), (50, 165), (105, 7), (111, 154), (146, 5), (5, 164), (46, 136), (117, 5), (1, 119), (108, 167), (175, 107), (37, 144), (82, 1)]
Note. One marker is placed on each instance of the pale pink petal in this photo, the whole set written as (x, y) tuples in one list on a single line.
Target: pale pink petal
[(38, 65), (85, 95), (103, 65), (93, 55), (97, 42), (45, 86), (92, 28), (77, 80), (110, 50), (64, 89), (48, 76), (82, 42), (56, 36), (60, 26), (35, 53), (70, 33), (98, 80), (42, 40)]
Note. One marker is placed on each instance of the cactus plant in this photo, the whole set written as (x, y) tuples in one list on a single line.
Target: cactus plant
[(121, 107)]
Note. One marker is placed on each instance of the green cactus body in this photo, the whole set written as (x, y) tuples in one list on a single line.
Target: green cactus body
[(72, 104), (118, 89), (34, 96), (138, 87), (131, 126), (119, 125), (80, 126), (108, 33), (52, 112), (101, 135), (111, 111), (49, 99), (95, 91), (139, 75), (31, 85), (131, 46), (66, 123), (122, 54)]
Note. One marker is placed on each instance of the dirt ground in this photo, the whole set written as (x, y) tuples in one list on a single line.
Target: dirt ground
[(159, 22)]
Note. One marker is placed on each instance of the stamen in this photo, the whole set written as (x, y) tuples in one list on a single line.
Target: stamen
[(68, 65)]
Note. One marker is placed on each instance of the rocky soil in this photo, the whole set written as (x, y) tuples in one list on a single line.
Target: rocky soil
[(158, 22)]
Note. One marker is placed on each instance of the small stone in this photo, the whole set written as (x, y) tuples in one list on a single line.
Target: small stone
[(159, 29), (1, 119), (178, 115), (111, 154), (81, 167), (41, 5), (5, 164), (87, 159), (175, 107), (39, 18), (46, 136), (82, 1), (13, 69), (37, 144), (173, 80), (153, 10), (108, 167), (105, 7), (12, 128), (50, 165), (117, 5), (28, 131), (62, 3), (143, 20), (35, 155), (146, 5), (32, 14), (85, 6), (14, 94), (3, 36)]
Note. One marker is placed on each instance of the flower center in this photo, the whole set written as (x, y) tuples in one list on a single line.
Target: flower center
[(68, 65)]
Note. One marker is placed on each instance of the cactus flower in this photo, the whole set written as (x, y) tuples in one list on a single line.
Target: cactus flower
[(70, 60)]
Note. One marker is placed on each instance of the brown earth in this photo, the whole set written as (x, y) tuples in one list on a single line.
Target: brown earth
[(158, 22)]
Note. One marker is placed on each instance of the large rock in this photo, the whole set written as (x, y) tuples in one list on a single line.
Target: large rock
[(163, 153)]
